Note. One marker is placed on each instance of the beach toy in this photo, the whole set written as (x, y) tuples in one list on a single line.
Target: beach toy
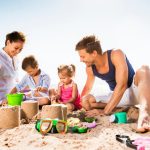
[(90, 125), (120, 117), (89, 119), (142, 143), (48, 125), (77, 129), (82, 130), (14, 99), (74, 129), (126, 140)]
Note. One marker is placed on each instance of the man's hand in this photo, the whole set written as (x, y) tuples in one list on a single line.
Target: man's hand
[(95, 112)]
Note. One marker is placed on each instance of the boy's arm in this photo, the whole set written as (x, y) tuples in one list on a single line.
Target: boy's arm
[(89, 82), (45, 86), (14, 90), (42, 89)]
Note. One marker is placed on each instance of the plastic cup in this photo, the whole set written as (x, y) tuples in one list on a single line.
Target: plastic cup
[(121, 117), (14, 99)]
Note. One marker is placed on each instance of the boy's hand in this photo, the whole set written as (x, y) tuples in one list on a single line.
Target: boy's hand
[(39, 88)]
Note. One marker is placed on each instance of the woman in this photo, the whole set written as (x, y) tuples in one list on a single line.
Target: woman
[(13, 45)]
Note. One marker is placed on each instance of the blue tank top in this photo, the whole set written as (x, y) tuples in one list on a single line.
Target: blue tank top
[(110, 76)]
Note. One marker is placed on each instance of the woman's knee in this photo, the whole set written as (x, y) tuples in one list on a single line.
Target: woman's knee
[(141, 74)]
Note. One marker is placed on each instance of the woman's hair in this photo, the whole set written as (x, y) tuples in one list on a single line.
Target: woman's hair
[(89, 43), (29, 61), (68, 70), (14, 37)]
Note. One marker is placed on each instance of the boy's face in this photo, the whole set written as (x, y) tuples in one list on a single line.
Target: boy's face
[(14, 48), (32, 71)]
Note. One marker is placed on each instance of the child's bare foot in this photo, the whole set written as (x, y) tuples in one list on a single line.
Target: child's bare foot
[(143, 122)]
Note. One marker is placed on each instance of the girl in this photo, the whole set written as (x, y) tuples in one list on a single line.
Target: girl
[(67, 92)]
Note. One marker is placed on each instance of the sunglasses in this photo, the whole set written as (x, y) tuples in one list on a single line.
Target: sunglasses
[(48, 125)]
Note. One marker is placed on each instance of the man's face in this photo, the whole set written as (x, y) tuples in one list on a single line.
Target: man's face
[(14, 48), (87, 58)]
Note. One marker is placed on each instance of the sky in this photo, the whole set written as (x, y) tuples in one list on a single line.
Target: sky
[(53, 28)]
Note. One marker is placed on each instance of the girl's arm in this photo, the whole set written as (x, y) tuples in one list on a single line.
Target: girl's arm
[(58, 92), (74, 93)]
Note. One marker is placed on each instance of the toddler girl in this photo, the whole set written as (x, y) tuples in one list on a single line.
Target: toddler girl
[(67, 92)]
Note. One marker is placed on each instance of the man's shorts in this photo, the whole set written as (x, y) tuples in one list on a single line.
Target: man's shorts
[(129, 98)]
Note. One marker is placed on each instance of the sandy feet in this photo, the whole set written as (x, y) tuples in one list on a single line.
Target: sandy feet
[(143, 122)]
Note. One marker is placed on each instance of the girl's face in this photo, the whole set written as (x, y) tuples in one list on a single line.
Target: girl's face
[(14, 48), (32, 71), (64, 78)]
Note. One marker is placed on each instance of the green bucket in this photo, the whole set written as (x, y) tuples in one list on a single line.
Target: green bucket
[(14, 99)]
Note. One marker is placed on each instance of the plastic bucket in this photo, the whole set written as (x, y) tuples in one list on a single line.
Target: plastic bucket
[(121, 117), (14, 99)]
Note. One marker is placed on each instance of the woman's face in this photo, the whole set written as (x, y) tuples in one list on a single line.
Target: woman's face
[(14, 48)]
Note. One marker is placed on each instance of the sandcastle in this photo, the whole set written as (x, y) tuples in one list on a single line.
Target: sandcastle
[(9, 117), (29, 109), (54, 111)]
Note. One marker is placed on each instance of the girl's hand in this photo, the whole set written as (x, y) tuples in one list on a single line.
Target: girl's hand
[(53, 99)]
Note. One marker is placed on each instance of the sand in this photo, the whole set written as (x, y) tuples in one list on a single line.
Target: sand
[(102, 137)]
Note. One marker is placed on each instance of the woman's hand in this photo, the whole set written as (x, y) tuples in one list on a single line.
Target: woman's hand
[(4, 102)]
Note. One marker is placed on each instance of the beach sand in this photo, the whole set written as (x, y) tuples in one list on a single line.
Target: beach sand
[(102, 137)]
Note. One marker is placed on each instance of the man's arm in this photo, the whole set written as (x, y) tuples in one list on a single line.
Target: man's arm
[(119, 61), (89, 82)]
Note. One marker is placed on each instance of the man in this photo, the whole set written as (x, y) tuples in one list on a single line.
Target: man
[(8, 65), (128, 87)]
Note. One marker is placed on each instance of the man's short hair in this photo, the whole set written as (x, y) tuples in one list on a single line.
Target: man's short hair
[(90, 43)]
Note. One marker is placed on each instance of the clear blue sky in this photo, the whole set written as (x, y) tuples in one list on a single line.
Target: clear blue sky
[(54, 27)]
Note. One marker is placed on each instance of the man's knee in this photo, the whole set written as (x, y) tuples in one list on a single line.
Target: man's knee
[(88, 99)]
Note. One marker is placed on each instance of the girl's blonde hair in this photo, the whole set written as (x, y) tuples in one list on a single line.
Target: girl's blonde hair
[(69, 69)]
